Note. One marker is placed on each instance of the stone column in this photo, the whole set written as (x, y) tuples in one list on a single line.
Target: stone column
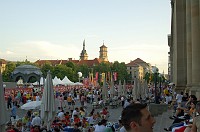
[(195, 46), (180, 57), (188, 44)]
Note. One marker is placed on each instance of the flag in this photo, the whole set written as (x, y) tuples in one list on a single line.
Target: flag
[(108, 77), (115, 76), (102, 77), (91, 77), (96, 76)]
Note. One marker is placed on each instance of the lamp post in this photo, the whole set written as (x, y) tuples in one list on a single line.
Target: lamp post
[(79, 76), (155, 71)]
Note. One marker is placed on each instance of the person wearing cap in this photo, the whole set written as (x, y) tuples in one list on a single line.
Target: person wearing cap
[(101, 126), (137, 118)]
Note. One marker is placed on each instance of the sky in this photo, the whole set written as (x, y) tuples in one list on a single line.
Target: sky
[(56, 29)]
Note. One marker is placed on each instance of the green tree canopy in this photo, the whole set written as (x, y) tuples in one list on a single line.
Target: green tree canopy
[(10, 67)]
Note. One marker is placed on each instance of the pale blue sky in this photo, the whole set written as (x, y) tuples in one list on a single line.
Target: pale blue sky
[(55, 29)]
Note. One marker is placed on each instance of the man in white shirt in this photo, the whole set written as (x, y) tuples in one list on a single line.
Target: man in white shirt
[(75, 112), (127, 102), (179, 98), (36, 121), (101, 126), (61, 115)]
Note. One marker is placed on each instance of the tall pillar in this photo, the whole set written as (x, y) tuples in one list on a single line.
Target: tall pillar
[(188, 45), (195, 46), (179, 41)]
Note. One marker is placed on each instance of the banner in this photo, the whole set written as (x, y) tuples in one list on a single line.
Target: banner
[(91, 77), (102, 76), (115, 76), (96, 76)]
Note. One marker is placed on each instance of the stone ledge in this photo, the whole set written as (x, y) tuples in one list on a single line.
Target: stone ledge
[(157, 109)]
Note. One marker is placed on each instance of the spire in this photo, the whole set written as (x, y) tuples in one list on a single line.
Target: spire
[(84, 45)]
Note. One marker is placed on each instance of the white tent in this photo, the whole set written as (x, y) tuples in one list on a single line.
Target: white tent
[(57, 81), (20, 82), (66, 81), (35, 83), (78, 83)]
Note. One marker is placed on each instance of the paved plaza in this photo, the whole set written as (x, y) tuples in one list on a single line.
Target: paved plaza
[(162, 120)]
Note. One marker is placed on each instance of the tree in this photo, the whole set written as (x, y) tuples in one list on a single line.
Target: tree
[(10, 67), (71, 65), (84, 69), (62, 70), (120, 68), (45, 68), (147, 77)]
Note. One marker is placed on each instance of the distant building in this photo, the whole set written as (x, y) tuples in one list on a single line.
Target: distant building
[(103, 53), (2, 65), (83, 55), (103, 57), (137, 68)]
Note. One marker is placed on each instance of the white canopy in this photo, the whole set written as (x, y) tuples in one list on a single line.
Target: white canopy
[(66, 81), (78, 83), (57, 81), (20, 82), (35, 83)]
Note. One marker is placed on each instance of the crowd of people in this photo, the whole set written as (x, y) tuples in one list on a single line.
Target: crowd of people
[(73, 114)]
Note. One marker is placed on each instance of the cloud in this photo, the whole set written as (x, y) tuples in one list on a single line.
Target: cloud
[(9, 52), (34, 50), (153, 54), (92, 36)]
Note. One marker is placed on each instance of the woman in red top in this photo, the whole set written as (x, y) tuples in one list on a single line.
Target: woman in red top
[(76, 119)]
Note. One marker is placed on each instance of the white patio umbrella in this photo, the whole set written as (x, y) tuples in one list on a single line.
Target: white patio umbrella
[(135, 89), (120, 92), (112, 89), (145, 90), (48, 107), (3, 111), (139, 89), (31, 105), (124, 88), (104, 90)]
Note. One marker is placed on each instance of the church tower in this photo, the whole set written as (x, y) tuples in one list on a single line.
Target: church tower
[(103, 53), (83, 55)]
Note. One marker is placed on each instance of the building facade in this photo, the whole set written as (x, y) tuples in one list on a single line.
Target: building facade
[(137, 69), (2, 65), (185, 45), (103, 53)]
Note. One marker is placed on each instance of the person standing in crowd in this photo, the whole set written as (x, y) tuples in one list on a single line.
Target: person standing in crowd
[(9, 102), (122, 100), (137, 118), (196, 121), (36, 121), (37, 97), (14, 110), (69, 101), (101, 126), (127, 102)]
